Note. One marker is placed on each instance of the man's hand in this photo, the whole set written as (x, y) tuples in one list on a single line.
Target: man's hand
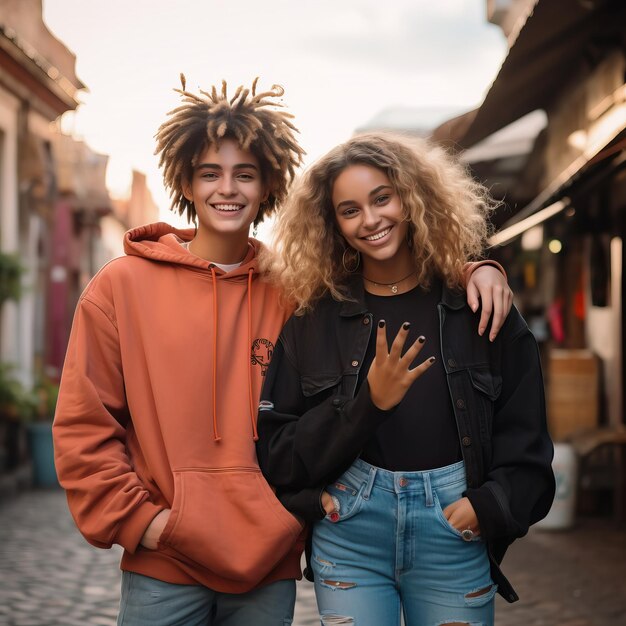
[(488, 285), (150, 538)]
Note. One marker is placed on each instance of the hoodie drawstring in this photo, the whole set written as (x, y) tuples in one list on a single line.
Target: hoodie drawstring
[(214, 280), (216, 436), (255, 434)]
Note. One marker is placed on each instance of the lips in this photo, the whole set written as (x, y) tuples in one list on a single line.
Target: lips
[(379, 235), (229, 208)]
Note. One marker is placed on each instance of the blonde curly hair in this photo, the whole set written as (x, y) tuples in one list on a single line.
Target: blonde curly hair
[(251, 119), (446, 208)]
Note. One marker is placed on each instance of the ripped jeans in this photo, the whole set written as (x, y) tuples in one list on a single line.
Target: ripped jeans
[(390, 549)]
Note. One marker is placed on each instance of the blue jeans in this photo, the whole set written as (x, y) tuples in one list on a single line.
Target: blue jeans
[(150, 602), (390, 548)]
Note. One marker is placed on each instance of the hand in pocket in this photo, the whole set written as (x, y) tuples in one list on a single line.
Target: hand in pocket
[(461, 515), (150, 538)]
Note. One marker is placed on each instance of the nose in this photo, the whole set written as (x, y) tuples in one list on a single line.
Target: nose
[(227, 185), (371, 219)]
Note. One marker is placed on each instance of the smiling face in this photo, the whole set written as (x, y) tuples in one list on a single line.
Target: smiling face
[(226, 189), (369, 214)]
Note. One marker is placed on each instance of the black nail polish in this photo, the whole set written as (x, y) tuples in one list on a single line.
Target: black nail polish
[(421, 339), (406, 325), (432, 359), (381, 324)]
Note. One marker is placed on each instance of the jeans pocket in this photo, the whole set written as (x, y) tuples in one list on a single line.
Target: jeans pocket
[(447, 497), (347, 494)]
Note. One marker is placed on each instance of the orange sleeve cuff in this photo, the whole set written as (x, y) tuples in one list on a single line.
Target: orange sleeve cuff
[(471, 267)]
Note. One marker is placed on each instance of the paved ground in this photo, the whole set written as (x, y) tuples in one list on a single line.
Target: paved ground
[(50, 577)]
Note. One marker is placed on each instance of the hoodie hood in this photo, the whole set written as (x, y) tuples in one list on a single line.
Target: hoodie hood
[(161, 242)]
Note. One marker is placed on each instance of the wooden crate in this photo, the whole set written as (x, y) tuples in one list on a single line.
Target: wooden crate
[(572, 392)]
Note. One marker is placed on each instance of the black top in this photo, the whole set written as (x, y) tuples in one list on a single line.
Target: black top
[(422, 434)]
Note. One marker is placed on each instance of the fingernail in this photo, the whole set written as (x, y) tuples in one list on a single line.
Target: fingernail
[(406, 325), (473, 307), (432, 359), (481, 331), (381, 324), (421, 339)]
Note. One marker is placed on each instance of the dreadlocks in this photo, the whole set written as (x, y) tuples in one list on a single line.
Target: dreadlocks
[(251, 119)]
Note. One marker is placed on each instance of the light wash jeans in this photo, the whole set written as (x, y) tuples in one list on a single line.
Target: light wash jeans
[(150, 602), (390, 549)]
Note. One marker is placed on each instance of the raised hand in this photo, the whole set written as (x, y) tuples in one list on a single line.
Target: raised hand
[(390, 376)]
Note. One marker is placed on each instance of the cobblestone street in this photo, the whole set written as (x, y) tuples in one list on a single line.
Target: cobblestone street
[(51, 577)]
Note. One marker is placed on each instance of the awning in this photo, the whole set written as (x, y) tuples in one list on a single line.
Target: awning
[(556, 37), (536, 212)]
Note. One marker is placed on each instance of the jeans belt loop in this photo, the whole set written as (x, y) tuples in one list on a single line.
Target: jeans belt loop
[(428, 490), (370, 483)]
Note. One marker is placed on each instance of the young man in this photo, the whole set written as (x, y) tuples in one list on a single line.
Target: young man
[(156, 420)]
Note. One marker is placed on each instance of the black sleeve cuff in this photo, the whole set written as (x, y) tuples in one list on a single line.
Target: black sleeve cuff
[(493, 517), (306, 504)]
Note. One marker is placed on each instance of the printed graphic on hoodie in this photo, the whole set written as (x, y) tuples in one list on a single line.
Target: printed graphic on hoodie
[(261, 353)]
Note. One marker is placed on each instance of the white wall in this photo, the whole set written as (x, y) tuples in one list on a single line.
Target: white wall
[(9, 230)]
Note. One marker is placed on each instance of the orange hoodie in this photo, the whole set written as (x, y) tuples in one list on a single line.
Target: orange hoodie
[(157, 409)]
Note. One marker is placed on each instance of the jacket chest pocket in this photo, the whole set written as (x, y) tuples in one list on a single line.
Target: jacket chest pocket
[(319, 387), (486, 388)]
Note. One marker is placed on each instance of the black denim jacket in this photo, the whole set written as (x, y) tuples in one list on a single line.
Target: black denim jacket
[(313, 424)]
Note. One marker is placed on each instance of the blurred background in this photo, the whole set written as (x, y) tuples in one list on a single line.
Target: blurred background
[(531, 96)]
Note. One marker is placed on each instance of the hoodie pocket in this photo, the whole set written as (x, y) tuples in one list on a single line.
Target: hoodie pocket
[(230, 522)]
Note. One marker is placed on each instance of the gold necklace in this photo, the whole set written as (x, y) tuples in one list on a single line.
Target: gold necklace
[(392, 286)]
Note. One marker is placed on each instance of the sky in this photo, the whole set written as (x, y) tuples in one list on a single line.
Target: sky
[(342, 63)]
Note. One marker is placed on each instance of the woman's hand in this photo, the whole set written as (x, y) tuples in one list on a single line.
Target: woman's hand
[(461, 515), (327, 502), (488, 284), (150, 538), (390, 376)]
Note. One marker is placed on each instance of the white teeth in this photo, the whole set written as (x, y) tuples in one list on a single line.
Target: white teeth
[(379, 235), (228, 207)]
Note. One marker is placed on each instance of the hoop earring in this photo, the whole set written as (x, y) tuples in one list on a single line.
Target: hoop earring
[(357, 259)]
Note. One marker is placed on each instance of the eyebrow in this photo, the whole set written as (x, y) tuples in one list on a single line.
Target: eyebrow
[(371, 193), (217, 166)]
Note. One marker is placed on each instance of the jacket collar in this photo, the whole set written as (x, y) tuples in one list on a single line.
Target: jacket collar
[(451, 298), (355, 305)]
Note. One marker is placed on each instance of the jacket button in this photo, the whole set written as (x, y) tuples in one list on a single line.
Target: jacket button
[(336, 402), (451, 362), (355, 363), (460, 404), (366, 320), (466, 441)]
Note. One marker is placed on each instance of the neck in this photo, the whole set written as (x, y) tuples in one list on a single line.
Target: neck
[(389, 270), (220, 248), (390, 276)]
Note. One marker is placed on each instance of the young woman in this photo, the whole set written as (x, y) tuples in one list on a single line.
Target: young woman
[(418, 472)]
